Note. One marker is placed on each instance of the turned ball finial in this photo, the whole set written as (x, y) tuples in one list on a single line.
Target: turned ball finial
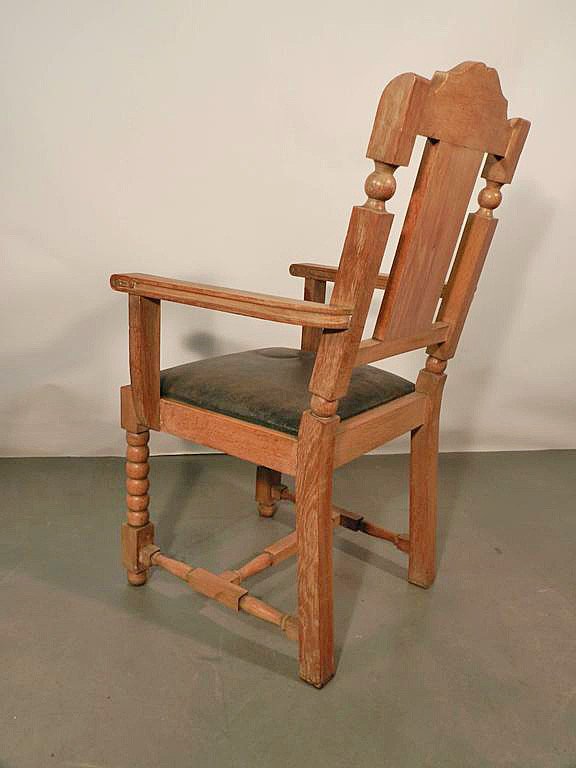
[(380, 186), (323, 408), (489, 198), (435, 365)]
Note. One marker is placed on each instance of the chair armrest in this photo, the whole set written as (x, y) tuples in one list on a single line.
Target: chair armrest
[(267, 307), (327, 274)]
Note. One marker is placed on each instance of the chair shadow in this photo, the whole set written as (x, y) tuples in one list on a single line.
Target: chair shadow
[(525, 224), (346, 546), (500, 294)]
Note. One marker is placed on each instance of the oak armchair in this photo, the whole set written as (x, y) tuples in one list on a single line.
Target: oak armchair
[(304, 412)]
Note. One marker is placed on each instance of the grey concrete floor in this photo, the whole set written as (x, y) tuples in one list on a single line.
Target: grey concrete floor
[(479, 671)]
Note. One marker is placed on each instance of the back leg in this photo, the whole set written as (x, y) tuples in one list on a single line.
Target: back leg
[(424, 478), (265, 480)]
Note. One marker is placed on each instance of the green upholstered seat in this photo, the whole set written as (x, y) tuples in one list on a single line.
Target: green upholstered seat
[(270, 387)]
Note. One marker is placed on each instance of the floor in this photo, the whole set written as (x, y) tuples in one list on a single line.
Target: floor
[(478, 672)]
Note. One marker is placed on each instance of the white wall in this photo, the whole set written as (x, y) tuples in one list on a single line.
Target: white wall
[(219, 142)]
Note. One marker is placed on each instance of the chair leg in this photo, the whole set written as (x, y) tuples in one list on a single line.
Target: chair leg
[(314, 535), (138, 530), (265, 479), (424, 479)]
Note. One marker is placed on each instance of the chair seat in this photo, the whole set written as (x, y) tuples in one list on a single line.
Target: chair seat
[(270, 387)]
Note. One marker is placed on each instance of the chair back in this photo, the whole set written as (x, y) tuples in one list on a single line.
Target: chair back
[(463, 116)]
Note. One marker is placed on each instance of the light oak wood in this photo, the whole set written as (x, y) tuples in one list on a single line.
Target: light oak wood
[(465, 107), (314, 535), (128, 418), (435, 214), (261, 610), (501, 168), (237, 438), (273, 554), (138, 531), (361, 257), (368, 430), (260, 305), (397, 119), (464, 276), (325, 274), (144, 325), (462, 115), (424, 478), (314, 290), (371, 350), (266, 479), (226, 592)]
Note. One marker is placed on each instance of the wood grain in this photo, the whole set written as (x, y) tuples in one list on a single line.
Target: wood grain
[(266, 479), (264, 306), (144, 333), (435, 214), (138, 531), (314, 290), (361, 258), (314, 535), (250, 442), (501, 168), (463, 115), (465, 107), (368, 430), (464, 276), (397, 119), (128, 419), (424, 478), (327, 274), (371, 350)]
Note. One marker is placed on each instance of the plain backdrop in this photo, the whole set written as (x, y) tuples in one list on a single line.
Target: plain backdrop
[(219, 142)]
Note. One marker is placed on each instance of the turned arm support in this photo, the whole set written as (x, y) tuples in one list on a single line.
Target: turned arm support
[(267, 307)]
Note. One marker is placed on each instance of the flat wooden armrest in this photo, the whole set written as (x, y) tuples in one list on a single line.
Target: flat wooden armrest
[(328, 274), (267, 307)]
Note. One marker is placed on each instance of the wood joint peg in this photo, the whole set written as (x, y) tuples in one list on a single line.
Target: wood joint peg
[(146, 554), (134, 539), (211, 585), (231, 575), (277, 491), (351, 520), (290, 626), (403, 543)]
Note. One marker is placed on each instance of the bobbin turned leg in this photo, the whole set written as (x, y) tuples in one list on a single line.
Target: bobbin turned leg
[(423, 478), (314, 537), (138, 531), (265, 480)]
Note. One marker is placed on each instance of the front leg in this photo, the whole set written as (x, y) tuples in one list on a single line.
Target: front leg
[(137, 531), (314, 470)]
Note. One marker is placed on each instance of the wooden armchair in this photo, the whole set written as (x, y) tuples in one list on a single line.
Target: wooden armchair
[(305, 412)]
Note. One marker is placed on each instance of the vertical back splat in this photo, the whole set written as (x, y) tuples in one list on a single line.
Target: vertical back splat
[(437, 208), (462, 113)]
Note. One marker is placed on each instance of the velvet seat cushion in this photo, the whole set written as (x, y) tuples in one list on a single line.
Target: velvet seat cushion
[(270, 387)]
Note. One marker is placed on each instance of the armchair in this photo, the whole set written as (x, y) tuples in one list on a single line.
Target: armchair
[(304, 412)]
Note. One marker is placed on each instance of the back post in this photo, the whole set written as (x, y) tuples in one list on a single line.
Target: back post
[(462, 114), (336, 353)]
